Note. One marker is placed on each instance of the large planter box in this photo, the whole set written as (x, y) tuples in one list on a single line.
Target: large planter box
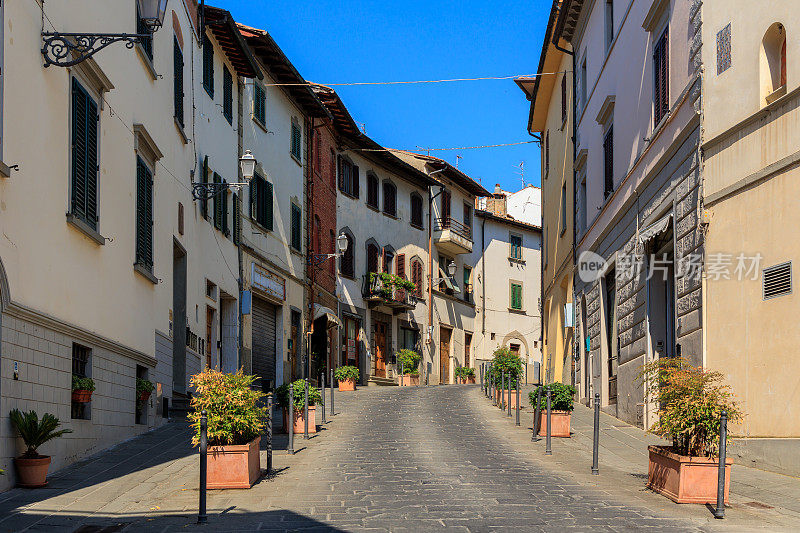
[(468, 381), (235, 466), (408, 380), (32, 473), (685, 479), (349, 385), (505, 399), (300, 420), (559, 424)]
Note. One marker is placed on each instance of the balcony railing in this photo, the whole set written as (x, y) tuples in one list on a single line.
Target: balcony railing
[(460, 229), (375, 290)]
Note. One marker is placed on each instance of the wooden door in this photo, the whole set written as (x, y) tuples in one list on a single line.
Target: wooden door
[(444, 355), (380, 349)]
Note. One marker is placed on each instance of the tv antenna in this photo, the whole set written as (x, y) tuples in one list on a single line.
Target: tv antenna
[(521, 172)]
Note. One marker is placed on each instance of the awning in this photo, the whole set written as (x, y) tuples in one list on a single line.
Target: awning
[(655, 229), (322, 311)]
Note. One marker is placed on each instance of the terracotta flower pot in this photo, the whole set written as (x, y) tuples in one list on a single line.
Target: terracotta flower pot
[(503, 395), (234, 466), (467, 381), (32, 473), (349, 385), (685, 479), (82, 396), (408, 380), (559, 423), (300, 420)]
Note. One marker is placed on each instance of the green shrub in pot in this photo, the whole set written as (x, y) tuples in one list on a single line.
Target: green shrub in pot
[(299, 392), (345, 373), (561, 397), (408, 361)]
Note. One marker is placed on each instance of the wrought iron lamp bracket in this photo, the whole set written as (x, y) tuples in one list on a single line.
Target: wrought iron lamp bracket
[(207, 191), (68, 49)]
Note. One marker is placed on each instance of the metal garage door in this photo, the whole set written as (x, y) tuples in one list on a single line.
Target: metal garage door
[(264, 341)]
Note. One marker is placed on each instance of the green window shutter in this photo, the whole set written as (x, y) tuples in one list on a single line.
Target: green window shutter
[(297, 228), (223, 196), (516, 296), (84, 155), (144, 215), (297, 139), (267, 204), (237, 227), (208, 66), (253, 190), (227, 94), (260, 104), (218, 205), (204, 179), (178, 77)]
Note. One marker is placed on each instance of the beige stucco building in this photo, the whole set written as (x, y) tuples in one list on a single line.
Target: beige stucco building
[(750, 147)]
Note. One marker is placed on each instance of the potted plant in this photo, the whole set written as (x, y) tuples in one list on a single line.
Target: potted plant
[(561, 406), (408, 363), (143, 390), (32, 467), (347, 377), (82, 389), (236, 415), (465, 374), (689, 401), (508, 364), (298, 404)]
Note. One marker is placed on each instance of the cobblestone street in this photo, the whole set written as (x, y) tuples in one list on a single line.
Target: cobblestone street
[(392, 459)]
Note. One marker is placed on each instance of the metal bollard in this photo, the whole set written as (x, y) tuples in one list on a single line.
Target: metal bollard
[(332, 413), (517, 401), (269, 433), (537, 416), (480, 369), (290, 418), (719, 512), (322, 381), (596, 436), (548, 450), (305, 413), (503, 389), (202, 517), (509, 394)]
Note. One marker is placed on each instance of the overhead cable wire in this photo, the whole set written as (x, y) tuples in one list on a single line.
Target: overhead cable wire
[(412, 82)]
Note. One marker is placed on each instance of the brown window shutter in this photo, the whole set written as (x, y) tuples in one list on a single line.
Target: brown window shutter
[(401, 265)]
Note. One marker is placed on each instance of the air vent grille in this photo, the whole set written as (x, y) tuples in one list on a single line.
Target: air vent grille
[(777, 280)]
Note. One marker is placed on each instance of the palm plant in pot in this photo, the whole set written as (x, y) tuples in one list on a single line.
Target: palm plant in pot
[(347, 376), (688, 402), (82, 389), (408, 363), (298, 405), (506, 366), (465, 374), (561, 406), (236, 417), (31, 466)]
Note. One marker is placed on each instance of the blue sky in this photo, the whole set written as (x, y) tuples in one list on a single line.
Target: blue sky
[(347, 41)]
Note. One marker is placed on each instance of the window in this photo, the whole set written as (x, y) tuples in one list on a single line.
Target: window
[(546, 154), (417, 276), (446, 203), (223, 198), (516, 246), (608, 162), (204, 179), (516, 296), (297, 227), (227, 95), (297, 141), (237, 223), (408, 339), (145, 42), (348, 177), (372, 191), (388, 260), (609, 23), (208, 66), (261, 201), (389, 199), (661, 77), (416, 210), (346, 265), (400, 267), (777, 280), (177, 66), (218, 203), (773, 63), (468, 217), (372, 257), (81, 367), (467, 288), (83, 204), (259, 104), (144, 215), (563, 208), (563, 98)]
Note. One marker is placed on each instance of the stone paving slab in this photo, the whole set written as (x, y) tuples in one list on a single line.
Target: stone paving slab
[(392, 459)]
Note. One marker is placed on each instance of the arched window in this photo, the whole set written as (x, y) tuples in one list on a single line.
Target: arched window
[(416, 210), (372, 191), (388, 259), (389, 198), (773, 63), (373, 257), (346, 263), (417, 276)]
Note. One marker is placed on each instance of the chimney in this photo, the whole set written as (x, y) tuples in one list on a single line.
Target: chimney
[(497, 205), (497, 189)]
